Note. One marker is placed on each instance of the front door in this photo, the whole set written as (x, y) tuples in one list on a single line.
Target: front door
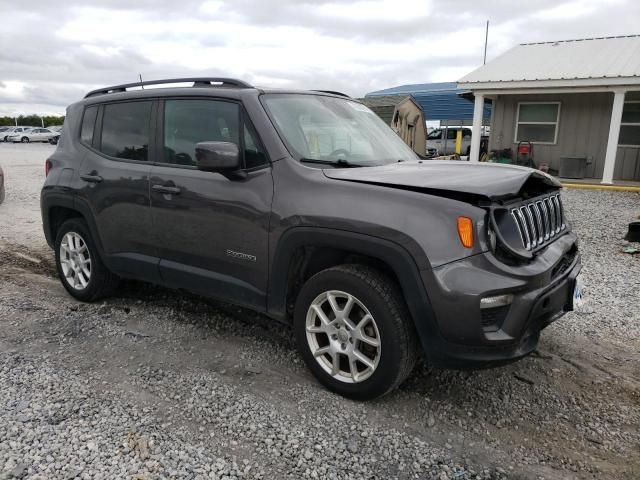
[(212, 230)]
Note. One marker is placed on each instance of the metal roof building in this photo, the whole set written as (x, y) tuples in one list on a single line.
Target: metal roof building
[(568, 63), (571, 98), (440, 101)]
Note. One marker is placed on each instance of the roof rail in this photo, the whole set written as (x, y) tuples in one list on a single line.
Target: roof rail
[(332, 92), (197, 82)]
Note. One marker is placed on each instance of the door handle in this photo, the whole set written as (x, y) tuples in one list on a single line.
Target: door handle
[(91, 178), (166, 189)]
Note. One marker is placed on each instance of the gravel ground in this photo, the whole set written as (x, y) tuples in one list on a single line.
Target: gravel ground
[(154, 384)]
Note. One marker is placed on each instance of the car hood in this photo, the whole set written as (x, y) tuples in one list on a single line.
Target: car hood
[(489, 180)]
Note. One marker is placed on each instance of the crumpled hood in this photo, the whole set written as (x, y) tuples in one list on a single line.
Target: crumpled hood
[(491, 180)]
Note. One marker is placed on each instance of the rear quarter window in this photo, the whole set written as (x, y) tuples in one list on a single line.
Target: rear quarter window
[(88, 124)]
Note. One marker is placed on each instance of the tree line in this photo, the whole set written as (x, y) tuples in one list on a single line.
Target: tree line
[(32, 121)]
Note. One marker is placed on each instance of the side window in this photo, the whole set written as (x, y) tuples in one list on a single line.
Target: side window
[(88, 122), (253, 154), (125, 130), (187, 122), (452, 133)]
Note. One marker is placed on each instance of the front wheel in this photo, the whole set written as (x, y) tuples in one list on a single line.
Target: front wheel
[(354, 331), (79, 266), (25, 140)]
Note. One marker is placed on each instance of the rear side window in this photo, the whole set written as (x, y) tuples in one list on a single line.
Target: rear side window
[(125, 130), (88, 122), (188, 122)]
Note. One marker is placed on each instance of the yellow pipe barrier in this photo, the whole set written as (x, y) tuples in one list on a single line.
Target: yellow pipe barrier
[(593, 186), (459, 142)]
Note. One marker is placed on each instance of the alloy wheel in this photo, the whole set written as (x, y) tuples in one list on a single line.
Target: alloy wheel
[(75, 261), (343, 336)]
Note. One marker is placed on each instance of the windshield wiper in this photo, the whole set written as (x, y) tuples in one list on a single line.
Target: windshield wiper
[(339, 162)]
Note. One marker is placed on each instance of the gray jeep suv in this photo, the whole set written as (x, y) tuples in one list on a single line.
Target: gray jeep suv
[(305, 206)]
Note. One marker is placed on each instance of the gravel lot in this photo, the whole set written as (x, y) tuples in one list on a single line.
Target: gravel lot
[(154, 384)]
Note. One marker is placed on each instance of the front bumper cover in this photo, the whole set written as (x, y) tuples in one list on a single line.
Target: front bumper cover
[(540, 297)]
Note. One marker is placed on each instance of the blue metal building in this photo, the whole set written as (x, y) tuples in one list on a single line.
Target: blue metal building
[(440, 101)]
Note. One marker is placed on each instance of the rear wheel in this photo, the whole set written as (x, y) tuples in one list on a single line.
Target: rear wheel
[(25, 140), (354, 331), (79, 266)]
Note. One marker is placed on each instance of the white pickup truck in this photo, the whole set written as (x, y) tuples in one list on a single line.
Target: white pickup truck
[(442, 141)]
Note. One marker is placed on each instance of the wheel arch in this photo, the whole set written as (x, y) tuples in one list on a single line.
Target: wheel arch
[(303, 251), (58, 207)]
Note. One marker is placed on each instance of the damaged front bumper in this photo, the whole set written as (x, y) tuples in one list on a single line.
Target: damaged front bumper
[(538, 294)]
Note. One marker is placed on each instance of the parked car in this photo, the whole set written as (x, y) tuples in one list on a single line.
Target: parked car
[(306, 207), (4, 136), (31, 135), (55, 128), (55, 138), (1, 185), (2, 130)]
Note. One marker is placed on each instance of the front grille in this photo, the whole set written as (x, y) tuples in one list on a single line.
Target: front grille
[(539, 221)]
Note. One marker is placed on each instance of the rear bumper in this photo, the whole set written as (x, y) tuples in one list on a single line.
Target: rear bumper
[(470, 339)]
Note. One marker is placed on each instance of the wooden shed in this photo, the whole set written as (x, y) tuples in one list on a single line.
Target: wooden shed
[(404, 115)]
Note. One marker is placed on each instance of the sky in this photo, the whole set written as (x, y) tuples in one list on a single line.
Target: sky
[(52, 53)]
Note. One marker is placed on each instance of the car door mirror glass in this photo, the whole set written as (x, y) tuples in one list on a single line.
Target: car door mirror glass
[(217, 156)]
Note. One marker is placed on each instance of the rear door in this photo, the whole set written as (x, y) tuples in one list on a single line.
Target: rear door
[(212, 230), (115, 175), (37, 135)]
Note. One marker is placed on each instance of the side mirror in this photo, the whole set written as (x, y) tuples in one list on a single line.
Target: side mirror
[(223, 157)]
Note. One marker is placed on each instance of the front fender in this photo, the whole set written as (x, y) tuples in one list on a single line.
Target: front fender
[(392, 254)]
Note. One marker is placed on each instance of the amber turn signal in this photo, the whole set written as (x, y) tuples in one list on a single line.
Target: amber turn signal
[(465, 231)]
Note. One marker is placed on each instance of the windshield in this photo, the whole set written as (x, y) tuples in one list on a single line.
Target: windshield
[(435, 135), (321, 128)]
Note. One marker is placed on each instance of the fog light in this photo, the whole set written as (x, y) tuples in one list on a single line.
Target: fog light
[(497, 301)]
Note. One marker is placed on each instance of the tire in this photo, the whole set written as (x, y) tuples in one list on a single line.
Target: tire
[(468, 151), (99, 282), (24, 139), (391, 328)]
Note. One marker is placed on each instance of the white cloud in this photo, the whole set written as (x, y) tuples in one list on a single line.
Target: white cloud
[(371, 10), (353, 46), (571, 10), (12, 90)]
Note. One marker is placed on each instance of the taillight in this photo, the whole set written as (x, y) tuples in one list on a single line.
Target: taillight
[(465, 231), (47, 167)]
